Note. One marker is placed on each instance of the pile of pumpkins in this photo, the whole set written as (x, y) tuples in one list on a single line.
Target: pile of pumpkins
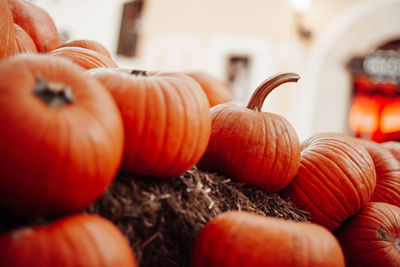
[(71, 119)]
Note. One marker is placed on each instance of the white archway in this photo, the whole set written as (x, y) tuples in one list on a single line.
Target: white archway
[(326, 93)]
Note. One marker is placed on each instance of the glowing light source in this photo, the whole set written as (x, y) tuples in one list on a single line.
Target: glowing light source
[(300, 5)]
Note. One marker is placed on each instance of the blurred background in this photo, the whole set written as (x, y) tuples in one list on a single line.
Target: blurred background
[(347, 52)]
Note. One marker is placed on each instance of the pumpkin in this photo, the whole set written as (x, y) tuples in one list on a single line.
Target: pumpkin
[(251, 146), (23, 42), (88, 44), (61, 136), (86, 58), (166, 120), (216, 90), (394, 147), (233, 239), (7, 31), (37, 23), (78, 240), (335, 180), (387, 168), (372, 237)]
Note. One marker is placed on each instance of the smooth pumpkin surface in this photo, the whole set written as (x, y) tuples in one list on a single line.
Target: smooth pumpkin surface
[(372, 237), (7, 31), (387, 168), (61, 136), (37, 23), (246, 144), (166, 120), (216, 89), (88, 44), (86, 58), (78, 240), (23, 42), (335, 180), (235, 239)]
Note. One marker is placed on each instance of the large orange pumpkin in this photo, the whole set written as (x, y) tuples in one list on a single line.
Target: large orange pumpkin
[(387, 168), (216, 89), (372, 237), (61, 136), (236, 239), (166, 120), (394, 147), (335, 180), (79, 240), (23, 42), (37, 23), (7, 31), (251, 146), (88, 44), (86, 58)]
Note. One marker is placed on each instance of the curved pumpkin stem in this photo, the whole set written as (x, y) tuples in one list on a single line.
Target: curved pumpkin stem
[(53, 94), (262, 91)]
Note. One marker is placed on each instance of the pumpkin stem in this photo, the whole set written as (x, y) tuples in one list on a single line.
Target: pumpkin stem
[(257, 99), (53, 94), (139, 72)]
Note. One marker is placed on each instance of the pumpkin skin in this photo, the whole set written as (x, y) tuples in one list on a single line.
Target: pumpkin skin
[(23, 42), (335, 180), (78, 240), (234, 239), (61, 137), (372, 237), (88, 44), (7, 32), (394, 147), (254, 147), (216, 90), (166, 120), (37, 23), (86, 58), (387, 169)]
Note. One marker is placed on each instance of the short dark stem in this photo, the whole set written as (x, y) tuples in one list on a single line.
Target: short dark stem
[(139, 72), (53, 94), (262, 91)]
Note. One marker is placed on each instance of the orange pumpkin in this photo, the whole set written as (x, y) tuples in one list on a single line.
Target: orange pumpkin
[(79, 240), (394, 147), (88, 44), (372, 237), (236, 239), (251, 146), (335, 180), (37, 23), (166, 120), (61, 136), (387, 168), (216, 90), (86, 58), (7, 31), (23, 42)]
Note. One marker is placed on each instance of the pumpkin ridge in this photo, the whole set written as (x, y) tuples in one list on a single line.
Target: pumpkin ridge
[(272, 170), (311, 201), (287, 140), (328, 191), (239, 158), (172, 167), (191, 152), (350, 183), (233, 148), (264, 133), (158, 89)]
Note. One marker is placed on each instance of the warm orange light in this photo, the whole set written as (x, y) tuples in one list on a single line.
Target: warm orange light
[(390, 118), (364, 114)]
